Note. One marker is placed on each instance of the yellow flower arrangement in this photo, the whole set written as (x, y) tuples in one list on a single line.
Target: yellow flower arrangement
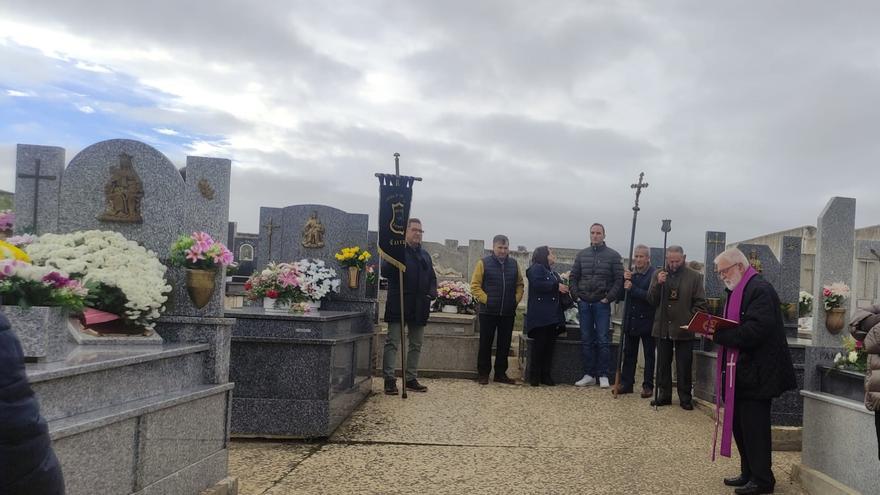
[(8, 251), (353, 256)]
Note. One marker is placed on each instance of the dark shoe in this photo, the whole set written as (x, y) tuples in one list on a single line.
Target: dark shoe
[(647, 392), (548, 381), (687, 406), (624, 390), (740, 480), (505, 379), (415, 386), (661, 402), (483, 379), (752, 488), (535, 383), (391, 387)]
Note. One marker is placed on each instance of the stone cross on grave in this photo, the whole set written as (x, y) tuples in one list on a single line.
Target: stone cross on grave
[(715, 239), (270, 228), (37, 177)]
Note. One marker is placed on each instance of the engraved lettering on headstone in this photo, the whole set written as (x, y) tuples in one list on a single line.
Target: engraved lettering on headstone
[(123, 193)]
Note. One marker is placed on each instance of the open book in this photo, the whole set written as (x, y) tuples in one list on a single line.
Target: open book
[(707, 324)]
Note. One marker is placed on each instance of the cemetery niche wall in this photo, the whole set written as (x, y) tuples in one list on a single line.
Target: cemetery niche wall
[(147, 413)]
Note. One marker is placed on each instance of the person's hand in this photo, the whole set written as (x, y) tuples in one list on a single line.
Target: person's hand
[(563, 288), (627, 284), (604, 300), (661, 277), (627, 275)]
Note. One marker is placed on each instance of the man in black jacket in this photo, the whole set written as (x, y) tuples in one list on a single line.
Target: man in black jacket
[(764, 368), (597, 281), (639, 323), (420, 287), (27, 462)]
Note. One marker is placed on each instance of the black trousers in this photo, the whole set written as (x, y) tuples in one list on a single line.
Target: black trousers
[(684, 360), (489, 326), (541, 360), (751, 431), (631, 355)]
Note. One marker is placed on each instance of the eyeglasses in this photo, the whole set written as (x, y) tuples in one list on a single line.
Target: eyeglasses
[(722, 272)]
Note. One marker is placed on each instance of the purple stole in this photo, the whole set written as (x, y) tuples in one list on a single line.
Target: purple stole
[(731, 312)]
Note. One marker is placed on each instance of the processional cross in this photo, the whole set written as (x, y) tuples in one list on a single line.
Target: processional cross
[(36, 176)]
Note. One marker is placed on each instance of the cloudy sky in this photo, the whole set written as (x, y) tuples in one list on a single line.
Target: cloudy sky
[(530, 118)]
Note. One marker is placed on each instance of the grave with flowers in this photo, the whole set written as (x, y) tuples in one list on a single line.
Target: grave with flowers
[(126, 350), (307, 323)]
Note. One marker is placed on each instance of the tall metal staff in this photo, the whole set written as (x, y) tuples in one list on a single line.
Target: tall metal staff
[(666, 227), (632, 240), (399, 219)]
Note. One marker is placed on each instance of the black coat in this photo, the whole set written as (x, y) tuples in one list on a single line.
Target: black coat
[(27, 462), (597, 273), (419, 287), (640, 311), (764, 369), (543, 307)]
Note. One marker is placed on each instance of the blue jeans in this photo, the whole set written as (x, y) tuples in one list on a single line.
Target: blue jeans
[(595, 319)]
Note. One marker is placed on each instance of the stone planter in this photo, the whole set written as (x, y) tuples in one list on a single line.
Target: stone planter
[(42, 331), (842, 383)]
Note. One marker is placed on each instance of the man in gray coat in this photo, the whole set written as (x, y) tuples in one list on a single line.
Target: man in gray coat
[(677, 293)]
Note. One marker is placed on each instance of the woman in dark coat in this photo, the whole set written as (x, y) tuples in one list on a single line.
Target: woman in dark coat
[(27, 463), (543, 314)]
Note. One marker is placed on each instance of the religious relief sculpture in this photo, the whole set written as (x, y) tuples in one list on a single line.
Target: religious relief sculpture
[(755, 262), (206, 190), (313, 232), (123, 194), (443, 271)]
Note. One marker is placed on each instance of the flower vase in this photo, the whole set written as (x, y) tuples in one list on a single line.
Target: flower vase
[(834, 321), (449, 308), (275, 306), (354, 274), (200, 285)]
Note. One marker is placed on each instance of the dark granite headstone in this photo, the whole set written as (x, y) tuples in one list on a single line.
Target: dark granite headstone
[(715, 242)]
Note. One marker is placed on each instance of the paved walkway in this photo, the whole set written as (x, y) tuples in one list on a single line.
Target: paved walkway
[(461, 437)]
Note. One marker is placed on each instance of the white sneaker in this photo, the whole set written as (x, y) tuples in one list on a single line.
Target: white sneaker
[(586, 380), (603, 381)]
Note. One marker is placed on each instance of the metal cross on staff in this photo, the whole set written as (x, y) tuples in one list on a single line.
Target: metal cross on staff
[(37, 177), (271, 227)]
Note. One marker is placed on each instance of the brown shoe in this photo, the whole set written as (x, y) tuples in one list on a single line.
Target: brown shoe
[(647, 393), (505, 379), (483, 379)]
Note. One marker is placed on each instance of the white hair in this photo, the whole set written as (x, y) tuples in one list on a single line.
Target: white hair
[(733, 256), (642, 247)]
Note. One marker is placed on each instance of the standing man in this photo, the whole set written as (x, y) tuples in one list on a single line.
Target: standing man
[(640, 321), (763, 368), (677, 292), (420, 287), (597, 280), (497, 285)]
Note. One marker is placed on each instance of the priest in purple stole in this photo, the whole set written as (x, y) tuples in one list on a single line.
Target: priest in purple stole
[(754, 366)]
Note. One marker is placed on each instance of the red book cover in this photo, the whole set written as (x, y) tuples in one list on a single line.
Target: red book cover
[(93, 316), (707, 324)]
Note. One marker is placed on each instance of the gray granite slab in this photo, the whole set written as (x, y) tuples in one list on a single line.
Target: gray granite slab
[(216, 332), (567, 364), (100, 460), (839, 441), (77, 334), (176, 437), (194, 478), (451, 324), (835, 236), (254, 322), (29, 195)]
